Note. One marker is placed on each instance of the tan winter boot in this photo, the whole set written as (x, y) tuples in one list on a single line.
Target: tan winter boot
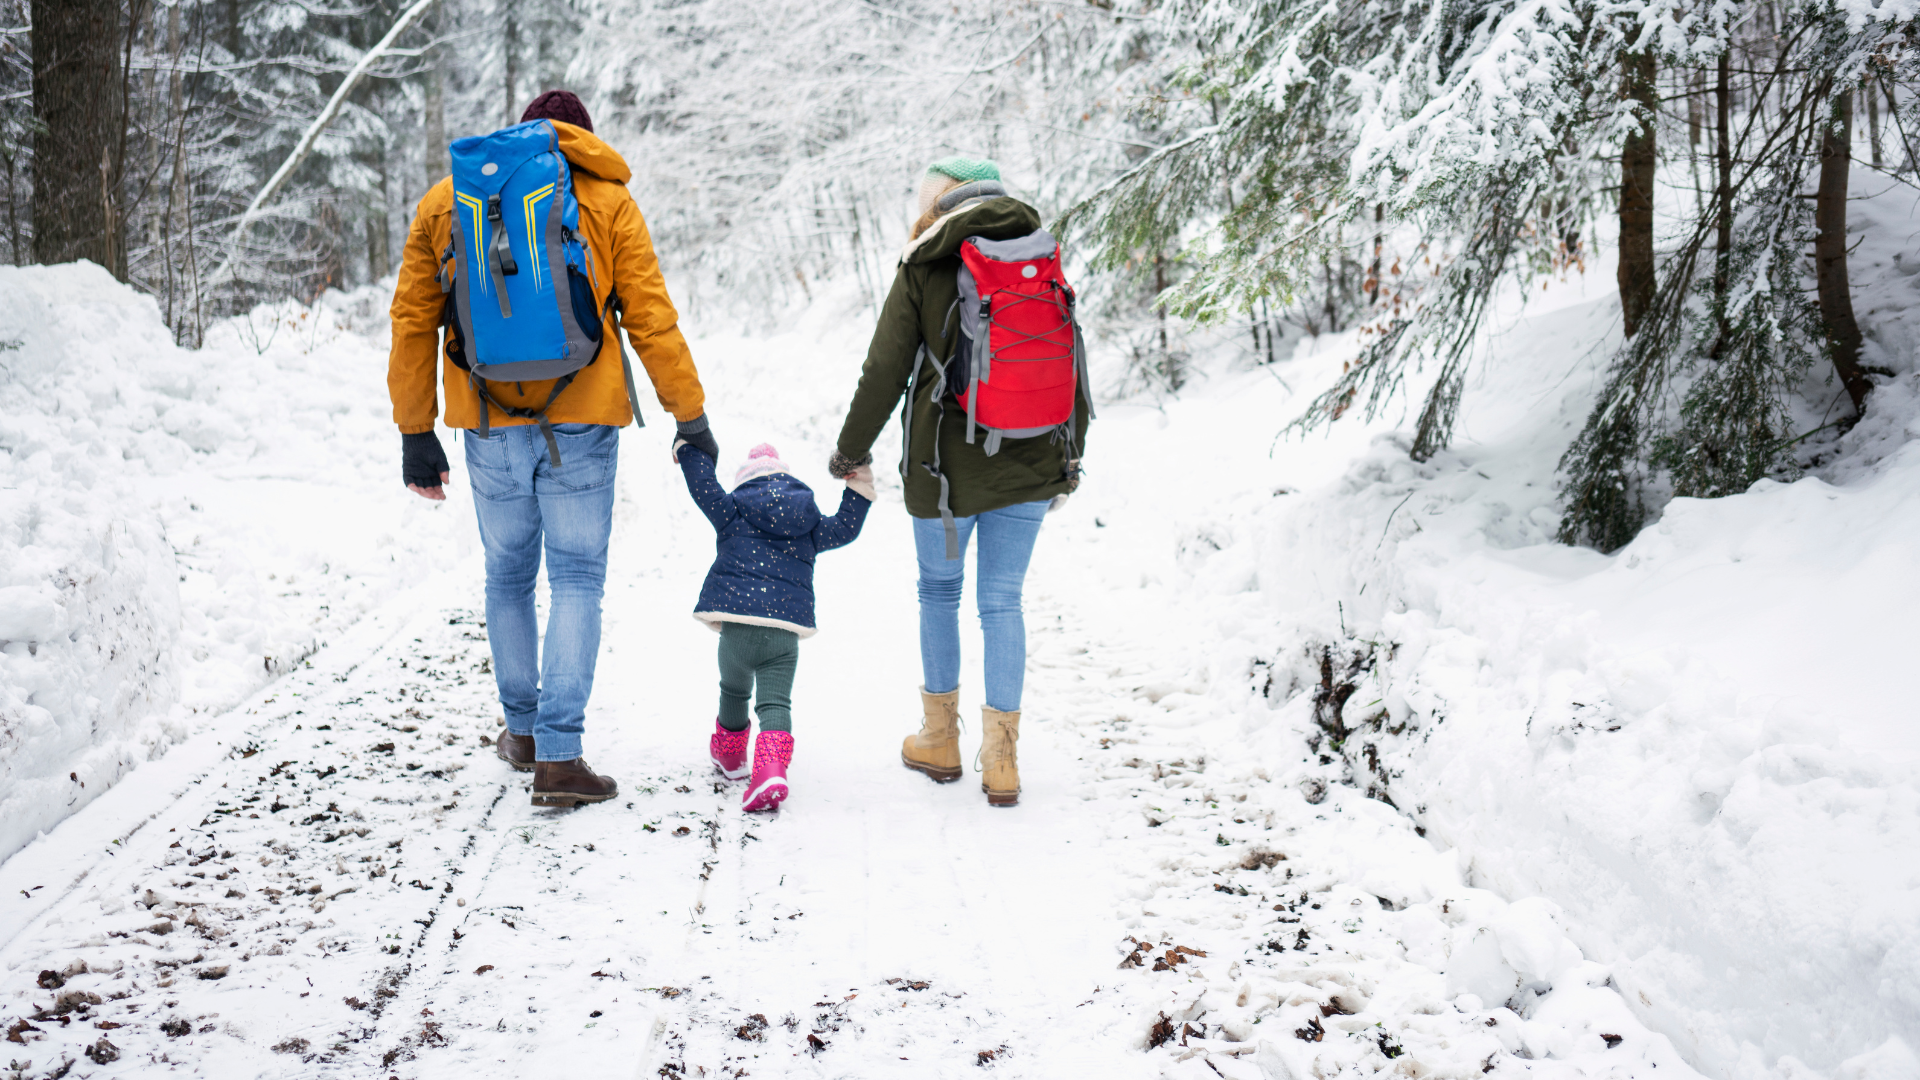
[(999, 759), (935, 748)]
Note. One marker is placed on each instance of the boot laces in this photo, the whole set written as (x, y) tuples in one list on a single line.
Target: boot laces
[(928, 732), (1006, 733)]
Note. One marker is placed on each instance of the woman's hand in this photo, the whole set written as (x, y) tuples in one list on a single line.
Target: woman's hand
[(861, 481)]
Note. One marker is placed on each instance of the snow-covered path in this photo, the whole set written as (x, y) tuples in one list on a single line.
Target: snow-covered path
[(339, 879)]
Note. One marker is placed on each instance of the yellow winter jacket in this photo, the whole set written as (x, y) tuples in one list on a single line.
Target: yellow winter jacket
[(612, 227)]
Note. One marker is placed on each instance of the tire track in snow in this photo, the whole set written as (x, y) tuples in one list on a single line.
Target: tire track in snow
[(292, 887)]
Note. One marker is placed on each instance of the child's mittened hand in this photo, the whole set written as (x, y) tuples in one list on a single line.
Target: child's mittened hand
[(673, 454), (861, 481)]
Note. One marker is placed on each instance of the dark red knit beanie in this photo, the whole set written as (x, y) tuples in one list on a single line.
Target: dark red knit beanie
[(559, 105)]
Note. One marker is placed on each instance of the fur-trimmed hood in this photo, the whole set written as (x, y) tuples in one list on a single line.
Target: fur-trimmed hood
[(994, 216)]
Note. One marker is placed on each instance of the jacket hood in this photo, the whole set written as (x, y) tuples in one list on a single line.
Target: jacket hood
[(1000, 217), (591, 153), (778, 505)]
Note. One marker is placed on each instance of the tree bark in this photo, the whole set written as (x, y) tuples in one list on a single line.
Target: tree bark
[(77, 96), (435, 156), (1873, 121), (1373, 268), (1830, 251), (512, 50), (1723, 193), (1636, 272)]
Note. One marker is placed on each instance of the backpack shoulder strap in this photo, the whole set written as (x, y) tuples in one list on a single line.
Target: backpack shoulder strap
[(615, 308)]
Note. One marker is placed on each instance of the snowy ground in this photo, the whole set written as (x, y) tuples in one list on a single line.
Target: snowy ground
[(178, 527), (337, 878), (1334, 763)]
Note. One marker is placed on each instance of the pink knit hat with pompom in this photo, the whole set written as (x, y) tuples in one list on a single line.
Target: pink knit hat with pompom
[(762, 460)]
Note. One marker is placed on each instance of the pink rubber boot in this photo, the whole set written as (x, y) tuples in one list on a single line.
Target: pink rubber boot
[(729, 751), (772, 751)]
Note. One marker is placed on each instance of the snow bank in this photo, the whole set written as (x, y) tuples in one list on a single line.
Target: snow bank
[(179, 526), (1700, 747)]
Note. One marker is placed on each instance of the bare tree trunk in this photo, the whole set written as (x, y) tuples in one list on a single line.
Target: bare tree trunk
[(379, 251), (332, 270), (77, 97), (1723, 193), (1160, 287), (1329, 304), (1830, 251), (1695, 110), (13, 217), (511, 46), (177, 185), (436, 118), (1636, 271), (1873, 121), (1266, 320), (1373, 268), (113, 165)]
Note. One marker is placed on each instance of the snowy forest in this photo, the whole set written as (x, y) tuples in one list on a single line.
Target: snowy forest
[(1480, 644), (1283, 168)]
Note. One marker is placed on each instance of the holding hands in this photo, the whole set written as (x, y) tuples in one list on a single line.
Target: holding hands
[(698, 434), (857, 474), (861, 481)]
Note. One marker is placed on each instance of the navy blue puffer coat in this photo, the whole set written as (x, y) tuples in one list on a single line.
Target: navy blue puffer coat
[(770, 530)]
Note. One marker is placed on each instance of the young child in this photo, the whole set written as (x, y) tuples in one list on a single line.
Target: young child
[(759, 597)]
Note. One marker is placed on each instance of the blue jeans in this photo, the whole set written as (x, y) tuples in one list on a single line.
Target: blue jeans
[(1006, 546), (522, 500)]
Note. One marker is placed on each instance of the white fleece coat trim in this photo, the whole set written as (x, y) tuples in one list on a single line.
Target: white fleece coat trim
[(914, 244), (713, 619)]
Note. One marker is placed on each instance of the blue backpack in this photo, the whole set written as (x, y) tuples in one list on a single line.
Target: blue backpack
[(518, 277)]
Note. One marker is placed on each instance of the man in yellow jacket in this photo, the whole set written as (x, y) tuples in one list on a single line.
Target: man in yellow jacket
[(522, 498)]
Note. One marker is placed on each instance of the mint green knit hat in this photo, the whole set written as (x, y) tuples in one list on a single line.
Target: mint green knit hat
[(947, 173), (966, 169)]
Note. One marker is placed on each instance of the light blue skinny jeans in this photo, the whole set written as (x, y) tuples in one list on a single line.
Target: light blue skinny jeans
[(1006, 547), (523, 501)]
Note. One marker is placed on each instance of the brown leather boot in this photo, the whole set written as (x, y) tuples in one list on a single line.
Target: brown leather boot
[(570, 783), (515, 750), (999, 759), (935, 748)]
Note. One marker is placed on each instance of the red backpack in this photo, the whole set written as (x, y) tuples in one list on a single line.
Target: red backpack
[(1020, 364)]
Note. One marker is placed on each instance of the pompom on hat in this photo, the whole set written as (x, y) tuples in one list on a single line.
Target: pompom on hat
[(762, 460)]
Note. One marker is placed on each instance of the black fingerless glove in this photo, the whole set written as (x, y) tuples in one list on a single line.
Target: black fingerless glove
[(840, 466), (421, 460), (699, 435)]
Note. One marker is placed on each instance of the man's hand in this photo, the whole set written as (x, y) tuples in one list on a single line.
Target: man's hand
[(698, 434), (423, 465)]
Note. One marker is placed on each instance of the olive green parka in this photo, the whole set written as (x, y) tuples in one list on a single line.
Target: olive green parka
[(916, 312)]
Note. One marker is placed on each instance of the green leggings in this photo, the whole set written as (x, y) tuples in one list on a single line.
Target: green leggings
[(757, 662)]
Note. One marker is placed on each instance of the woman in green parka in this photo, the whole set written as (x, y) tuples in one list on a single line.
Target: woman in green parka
[(997, 499)]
